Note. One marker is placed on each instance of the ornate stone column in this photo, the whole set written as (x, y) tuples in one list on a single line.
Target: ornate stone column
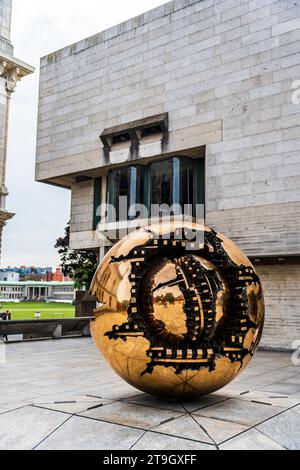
[(11, 71)]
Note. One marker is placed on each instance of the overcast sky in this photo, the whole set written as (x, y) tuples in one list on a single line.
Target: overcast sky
[(40, 27)]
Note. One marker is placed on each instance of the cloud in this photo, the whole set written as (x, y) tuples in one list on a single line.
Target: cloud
[(40, 27)]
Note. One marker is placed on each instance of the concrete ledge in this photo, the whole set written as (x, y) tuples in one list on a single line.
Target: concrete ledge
[(41, 329), (265, 230), (189, 140)]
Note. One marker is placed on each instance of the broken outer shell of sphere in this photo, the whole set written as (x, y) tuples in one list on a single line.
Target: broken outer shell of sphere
[(180, 310)]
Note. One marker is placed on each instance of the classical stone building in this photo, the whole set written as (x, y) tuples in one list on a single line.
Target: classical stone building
[(12, 290), (11, 70), (195, 101)]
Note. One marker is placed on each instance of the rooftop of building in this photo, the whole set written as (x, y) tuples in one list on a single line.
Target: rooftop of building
[(66, 397), (36, 283), (12, 268), (120, 29)]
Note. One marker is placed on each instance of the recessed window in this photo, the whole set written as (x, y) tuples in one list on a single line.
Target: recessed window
[(125, 190), (121, 138), (177, 183), (174, 185), (150, 131)]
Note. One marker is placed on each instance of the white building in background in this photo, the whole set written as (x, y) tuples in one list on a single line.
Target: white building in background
[(11, 291), (9, 276), (11, 71)]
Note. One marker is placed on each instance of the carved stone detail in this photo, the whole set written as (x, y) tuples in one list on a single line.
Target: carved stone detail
[(11, 74)]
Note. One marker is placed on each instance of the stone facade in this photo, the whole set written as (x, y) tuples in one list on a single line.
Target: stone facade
[(11, 71), (282, 296), (226, 73), (12, 290)]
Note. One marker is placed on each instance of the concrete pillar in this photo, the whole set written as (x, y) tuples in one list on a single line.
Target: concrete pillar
[(102, 253), (86, 331), (4, 112), (50, 292), (5, 18), (5, 23), (57, 333), (11, 70)]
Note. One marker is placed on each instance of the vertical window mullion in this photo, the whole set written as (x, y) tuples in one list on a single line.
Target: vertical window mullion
[(176, 182), (200, 182), (133, 184), (97, 200), (147, 192)]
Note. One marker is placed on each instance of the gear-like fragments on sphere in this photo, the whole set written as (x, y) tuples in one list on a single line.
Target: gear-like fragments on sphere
[(177, 318)]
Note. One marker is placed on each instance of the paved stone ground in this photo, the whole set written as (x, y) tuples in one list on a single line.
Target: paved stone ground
[(62, 395)]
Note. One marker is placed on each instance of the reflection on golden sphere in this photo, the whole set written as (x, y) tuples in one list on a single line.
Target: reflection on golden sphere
[(181, 309)]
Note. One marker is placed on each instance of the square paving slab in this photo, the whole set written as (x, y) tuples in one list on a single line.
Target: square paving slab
[(137, 416), (204, 402), (89, 434), (218, 430), (284, 429), (156, 402), (240, 412), (276, 399), (283, 388), (25, 428), (186, 427), (251, 440), (155, 441)]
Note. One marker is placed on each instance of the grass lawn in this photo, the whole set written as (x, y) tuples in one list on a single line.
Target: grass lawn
[(26, 311)]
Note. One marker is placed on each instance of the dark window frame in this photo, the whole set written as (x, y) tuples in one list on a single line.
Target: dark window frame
[(195, 165), (97, 200)]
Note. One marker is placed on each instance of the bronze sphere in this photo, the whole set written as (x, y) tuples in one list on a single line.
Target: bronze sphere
[(180, 309)]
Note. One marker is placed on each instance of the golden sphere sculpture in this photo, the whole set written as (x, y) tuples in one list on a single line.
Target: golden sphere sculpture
[(180, 310)]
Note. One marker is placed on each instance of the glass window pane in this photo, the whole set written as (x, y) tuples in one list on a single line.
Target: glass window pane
[(165, 184), (97, 201), (124, 191), (162, 184), (187, 184), (172, 183), (176, 181)]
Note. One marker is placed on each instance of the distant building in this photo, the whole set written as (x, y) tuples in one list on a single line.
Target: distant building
[(56, 277), (11, 71), (36, 274), (28, 270), (11, 291), (9, 276)]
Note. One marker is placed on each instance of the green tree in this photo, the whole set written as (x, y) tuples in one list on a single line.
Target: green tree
[(125, 304), (169, 298), (79, 265)]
